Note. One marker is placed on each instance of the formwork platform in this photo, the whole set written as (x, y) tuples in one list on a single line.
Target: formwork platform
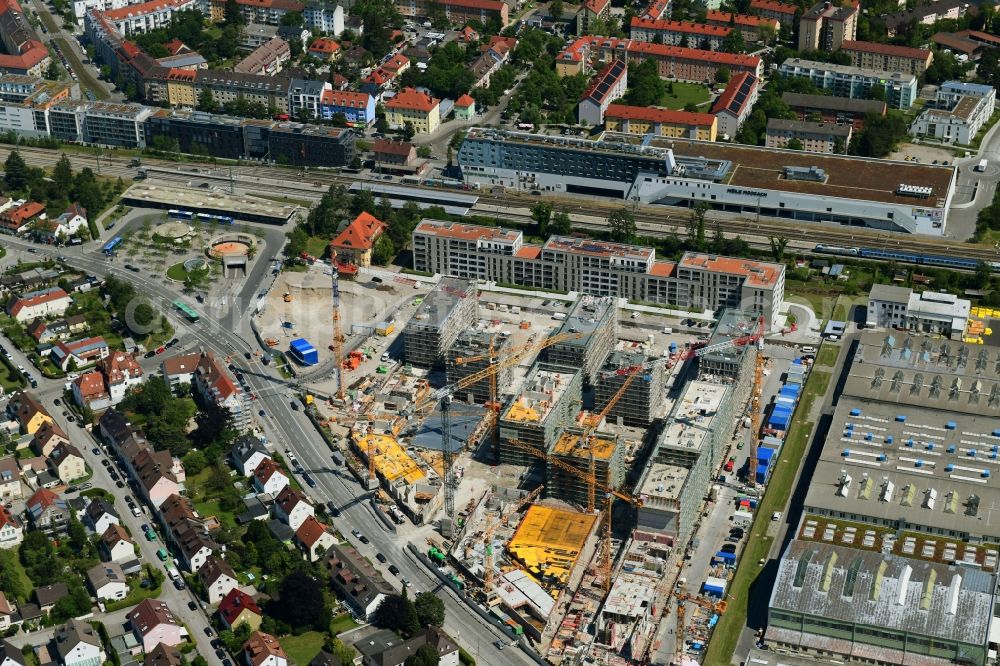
[(391, 460), (548, 542), (572, 450), (537, 415)]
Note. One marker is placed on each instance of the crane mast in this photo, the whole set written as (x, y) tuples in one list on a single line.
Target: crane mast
[(338, 333)]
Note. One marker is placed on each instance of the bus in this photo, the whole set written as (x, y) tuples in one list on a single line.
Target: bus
[(109, 247), (180, 214), (221, 219), (526, 126), (188, 313)]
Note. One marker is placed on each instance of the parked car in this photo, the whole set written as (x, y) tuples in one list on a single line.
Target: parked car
[(192, 606), (380, 557), (728, 548), (393, 569)]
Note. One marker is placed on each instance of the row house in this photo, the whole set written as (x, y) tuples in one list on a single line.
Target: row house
[(752, 28), (187, 532), (49, 331), (679, 33), (50, 302)]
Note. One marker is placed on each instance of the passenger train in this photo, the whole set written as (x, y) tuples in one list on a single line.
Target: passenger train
[(905, 257)]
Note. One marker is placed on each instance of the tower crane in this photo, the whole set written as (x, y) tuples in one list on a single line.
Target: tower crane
[(750, 338), (338, 338), (494, 402), (443, 398), (490, 530), (611, 493), (755, 416)]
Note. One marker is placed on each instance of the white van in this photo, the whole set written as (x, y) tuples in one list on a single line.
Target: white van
[(808, 350), (172, 572)]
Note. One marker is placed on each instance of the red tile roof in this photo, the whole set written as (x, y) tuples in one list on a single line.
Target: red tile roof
[(324, 45), (216, 376), (886, 49), (728, 96), (234, 603), (360, 234), (716, 57), (385, 146), (412, 100), (43, 498), (142, 9), (7, 518), (90, 385), (464, 102), (47, 296), (310, 531), (260, 646), (596, 6), (740, 19), (266, 469), (774, 6), (679, 26), (655, 115)]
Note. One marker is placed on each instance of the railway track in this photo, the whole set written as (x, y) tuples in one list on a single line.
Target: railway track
[(652, 220)]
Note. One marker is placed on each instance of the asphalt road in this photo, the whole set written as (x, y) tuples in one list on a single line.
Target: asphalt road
[(288, 428)]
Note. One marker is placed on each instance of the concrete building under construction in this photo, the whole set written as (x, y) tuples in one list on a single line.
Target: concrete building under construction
[(549, 541), (477, 344), (643, 397), (540, 412), (570, 449), (444, 314), (596, 320), (730, 354)]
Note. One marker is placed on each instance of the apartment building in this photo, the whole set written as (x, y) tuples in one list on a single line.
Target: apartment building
[(213, 381), (826, 26), (782, 12), (814, 137), (592, 324), (323, 16), (23, 51), (607, 85), (417, 108), (888, 57), (266, 59), (147, 16), (591, 12), (443, 315), (458, 12), (830, 109), (597, 268), (679, 33), (959, 112), (752, 28), (645, 120), (734, 105), (900, 88)]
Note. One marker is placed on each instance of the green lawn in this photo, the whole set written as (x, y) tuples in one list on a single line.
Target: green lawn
[(177, 272), (727, 632), (135, 595), (10, 561), (9, 379), (317, 246), (341, 623), (211, 508), (828, 355), (684, 94), (302, 649)]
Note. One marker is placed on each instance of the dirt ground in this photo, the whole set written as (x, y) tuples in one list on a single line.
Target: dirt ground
[(309, 313)]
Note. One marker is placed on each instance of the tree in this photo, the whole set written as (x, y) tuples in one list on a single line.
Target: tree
[(52, 71), (722, 75), (778, 247), (691, 107), (430, 609), (622, 225), (232, 14), (698, 214), (561, 224), (733, 43), (426, 655), (62, 176), (206, 101), (298, 240), (645, 87), (556, 9), (16, 173), (408, 130), (424, 152), (292, 19), (384, 250), (338, 649), (301, 602), (397, 613), (541, 213), (87, 192), (794, 144)]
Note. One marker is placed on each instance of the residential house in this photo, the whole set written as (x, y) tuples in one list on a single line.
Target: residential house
[(734, 105), (418, 109), (64, 226), (43, 332), (163, 655), (217, 578), (354, 245), (465, 108), (214, 382), (292, 507), (89, 390), (77, 644), (8, 618), (358, 108), (30, 413), (186, 530), (67, 463), (264, 650), (48, 302), (11, 530), (247, 454), (100, 514), (269, 478), (180, 369), (47, 511), (386, 648), (238, 607), (116, 545), (157, 474), (313, 538), (153, 623), (325, 49), (10, 479), (79, 352), (356, 581), (47, 596), (607, 85), (47, 438), (108, 581), (590, 14), (19, 218), (393, 153), (121, 372)]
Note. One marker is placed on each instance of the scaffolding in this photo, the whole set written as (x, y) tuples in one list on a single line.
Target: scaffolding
[(597, 320), (476, 344), (643, 397), (442, 316), (540, 412), (572, 449)]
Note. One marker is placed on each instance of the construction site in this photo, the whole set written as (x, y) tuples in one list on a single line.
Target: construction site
[(556, 454)]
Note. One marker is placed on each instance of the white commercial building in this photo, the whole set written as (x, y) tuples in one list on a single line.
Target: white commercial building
[(325, 17), (960, 111), (890, 306)]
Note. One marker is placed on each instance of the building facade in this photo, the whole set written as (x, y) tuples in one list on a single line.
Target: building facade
[(826, 26), (960, 111), (889, 57), (848, 81), (814, 137), (643, 120)]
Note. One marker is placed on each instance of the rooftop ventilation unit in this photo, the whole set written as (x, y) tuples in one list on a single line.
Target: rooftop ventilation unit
[(812, 174), (917, 191)]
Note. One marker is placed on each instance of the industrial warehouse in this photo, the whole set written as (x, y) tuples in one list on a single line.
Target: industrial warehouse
[(834, 189)]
